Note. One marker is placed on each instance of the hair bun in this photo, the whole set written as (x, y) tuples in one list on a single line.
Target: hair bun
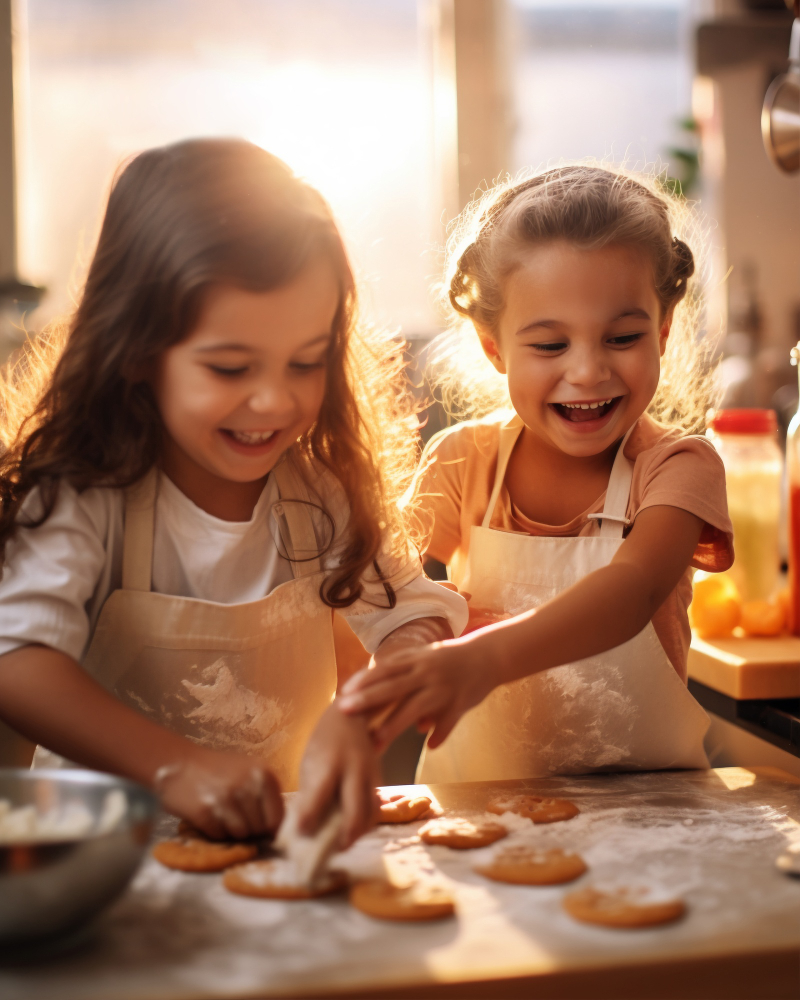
[(683, 267)]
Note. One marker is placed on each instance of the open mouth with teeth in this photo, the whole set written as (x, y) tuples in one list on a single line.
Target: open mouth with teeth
[(581, 413), (249, 438)]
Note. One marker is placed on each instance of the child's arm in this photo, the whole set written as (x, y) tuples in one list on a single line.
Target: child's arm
[(341, 759), (438, 684), (48, 697)]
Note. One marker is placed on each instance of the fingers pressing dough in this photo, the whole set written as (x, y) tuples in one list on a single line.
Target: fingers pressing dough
[(277, 878), (534, 807), (524, 864), (461, 834), (404, 809), (196, 854), (419, 901), (623, 907)]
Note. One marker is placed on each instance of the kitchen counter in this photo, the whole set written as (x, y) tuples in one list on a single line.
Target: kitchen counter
[(711, 836)]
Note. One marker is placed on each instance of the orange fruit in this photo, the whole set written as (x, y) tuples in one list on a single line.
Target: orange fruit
[(716, 606), (763, 617)]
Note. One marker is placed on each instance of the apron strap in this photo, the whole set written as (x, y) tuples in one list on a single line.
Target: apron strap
[(509, 433), (614, 517), (294, 520), (139, 523)]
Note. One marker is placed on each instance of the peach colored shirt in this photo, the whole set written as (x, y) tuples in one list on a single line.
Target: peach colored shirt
[(670, 469)]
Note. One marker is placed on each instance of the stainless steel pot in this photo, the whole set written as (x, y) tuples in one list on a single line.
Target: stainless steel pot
[(780, 116), (52, 887)]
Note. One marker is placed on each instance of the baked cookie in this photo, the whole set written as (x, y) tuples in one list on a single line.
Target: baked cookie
[(534, 807), (461, 833), (525, 864), (276, 878), (622, 907), (418, 901), (196, 854), (403, 809)]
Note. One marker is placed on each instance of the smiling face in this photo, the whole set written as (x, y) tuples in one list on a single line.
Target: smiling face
[(580, 338), (248, 380)]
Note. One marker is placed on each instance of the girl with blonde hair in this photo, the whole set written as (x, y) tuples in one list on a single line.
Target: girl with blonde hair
[(573, 525), (194, 480)]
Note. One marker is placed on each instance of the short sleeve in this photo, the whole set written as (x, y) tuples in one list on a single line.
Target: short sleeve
[(50, 574), (438, 493), (687, 472)]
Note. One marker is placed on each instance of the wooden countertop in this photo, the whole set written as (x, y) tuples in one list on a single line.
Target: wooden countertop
[(747, 667), (711, 836)]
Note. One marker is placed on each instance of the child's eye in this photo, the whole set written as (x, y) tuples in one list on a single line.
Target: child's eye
[(549, 348), (302, 367), (228, 372), (624, 339)]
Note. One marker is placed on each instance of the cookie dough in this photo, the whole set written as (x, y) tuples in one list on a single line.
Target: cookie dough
[(277, 878), (196, 854), (418, 901), (461, 833), (404, 809), (534, 807), (622, 907), (524, 864)]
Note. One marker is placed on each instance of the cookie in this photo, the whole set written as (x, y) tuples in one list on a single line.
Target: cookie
[(622, 907), (418, 901), (404, 809), (195, 854), (276, 878), (461, 833), (524, 864), (534, 807)]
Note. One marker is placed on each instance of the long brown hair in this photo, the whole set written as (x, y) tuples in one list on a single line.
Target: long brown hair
[(592, 206), (181, 219)]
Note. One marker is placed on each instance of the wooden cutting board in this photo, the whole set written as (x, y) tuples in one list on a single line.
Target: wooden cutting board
[(748, 667)]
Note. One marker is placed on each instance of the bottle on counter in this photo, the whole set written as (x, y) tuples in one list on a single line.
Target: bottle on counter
[(793, 514), (747, 443)]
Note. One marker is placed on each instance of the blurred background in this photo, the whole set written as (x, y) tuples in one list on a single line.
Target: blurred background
[(399, 111)]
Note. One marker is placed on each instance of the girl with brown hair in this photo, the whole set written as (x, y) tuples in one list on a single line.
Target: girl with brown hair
[(196, 475), (574, 517)]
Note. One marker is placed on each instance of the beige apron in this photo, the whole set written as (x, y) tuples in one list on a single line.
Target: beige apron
[(253, 678), (623, 710)]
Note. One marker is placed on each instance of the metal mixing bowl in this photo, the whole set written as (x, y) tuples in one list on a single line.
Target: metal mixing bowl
[(52, 887)]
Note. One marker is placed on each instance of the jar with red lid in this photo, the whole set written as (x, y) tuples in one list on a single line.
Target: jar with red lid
[(747, 443)]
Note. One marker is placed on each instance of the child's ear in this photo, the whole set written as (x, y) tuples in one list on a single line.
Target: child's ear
[(490, 349), (663, 333)]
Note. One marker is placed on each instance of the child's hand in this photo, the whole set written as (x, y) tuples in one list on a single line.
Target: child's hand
[(432, 685), (224, 795), (341, 763)]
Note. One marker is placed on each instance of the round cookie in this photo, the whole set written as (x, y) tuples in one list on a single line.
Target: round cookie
[(534, 807), (524, 864), (623, 907), (276, 878), (418, 901), (462, 834), (195, 854), (404, 809)]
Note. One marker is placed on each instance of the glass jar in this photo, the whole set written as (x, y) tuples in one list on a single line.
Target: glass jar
[(747, 443)]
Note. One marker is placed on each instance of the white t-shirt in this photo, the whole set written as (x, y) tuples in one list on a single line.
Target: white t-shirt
[(57, 577)]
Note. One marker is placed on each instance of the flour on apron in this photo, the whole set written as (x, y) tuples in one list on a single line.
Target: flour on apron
[(252, 678), (622, 710)]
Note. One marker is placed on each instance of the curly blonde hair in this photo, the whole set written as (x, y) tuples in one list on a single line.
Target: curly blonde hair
[(593, 206), (180, 220)]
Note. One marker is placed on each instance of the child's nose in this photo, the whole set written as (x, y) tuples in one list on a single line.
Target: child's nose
[(272, 398), (587, 368)]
